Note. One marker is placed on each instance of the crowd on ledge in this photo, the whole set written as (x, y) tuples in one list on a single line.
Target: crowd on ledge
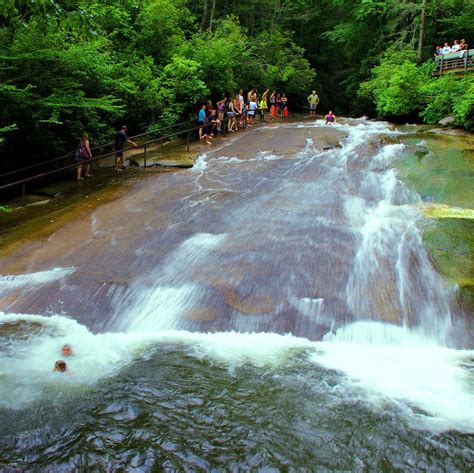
[(233, 112), (456, 47), (241, 111)]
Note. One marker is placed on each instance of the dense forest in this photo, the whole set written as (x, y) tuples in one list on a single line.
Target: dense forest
[(69, 66)]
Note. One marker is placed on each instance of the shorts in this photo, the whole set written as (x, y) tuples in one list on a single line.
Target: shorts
[(251, 114), (201, 123), (312, 106), (231, 114), (118, 152)]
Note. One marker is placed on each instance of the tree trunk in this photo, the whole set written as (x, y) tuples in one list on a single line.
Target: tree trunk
[(252, 19), (275, 10), (213, 9), (421, 38), (202, 27)]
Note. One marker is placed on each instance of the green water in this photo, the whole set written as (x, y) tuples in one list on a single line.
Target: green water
[(445, 175), (173, 411)]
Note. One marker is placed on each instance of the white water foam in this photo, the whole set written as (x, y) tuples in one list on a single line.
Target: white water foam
[(156, 301), (383, 365), (395, 363), (12, 281), (200, 164)]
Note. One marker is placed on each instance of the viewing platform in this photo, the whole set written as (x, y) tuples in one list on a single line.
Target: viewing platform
[(458, 62)]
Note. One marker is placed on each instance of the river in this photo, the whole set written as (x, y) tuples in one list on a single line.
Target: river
[(264, 310)]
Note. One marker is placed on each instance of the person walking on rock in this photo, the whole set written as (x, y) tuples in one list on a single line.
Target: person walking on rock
[(83, 157), (120, 139)]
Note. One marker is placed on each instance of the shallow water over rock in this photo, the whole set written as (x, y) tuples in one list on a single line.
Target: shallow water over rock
[(251, 245)]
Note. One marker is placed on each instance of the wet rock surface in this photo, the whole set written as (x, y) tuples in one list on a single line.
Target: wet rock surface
[(266, 219)]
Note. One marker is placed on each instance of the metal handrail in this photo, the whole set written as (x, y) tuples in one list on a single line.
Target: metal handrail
[(144, 145), (71, 153)]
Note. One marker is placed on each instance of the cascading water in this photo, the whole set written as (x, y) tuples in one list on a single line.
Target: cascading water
[(324, 245)]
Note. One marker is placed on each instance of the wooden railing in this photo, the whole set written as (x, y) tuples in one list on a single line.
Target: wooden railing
[(458, 62)]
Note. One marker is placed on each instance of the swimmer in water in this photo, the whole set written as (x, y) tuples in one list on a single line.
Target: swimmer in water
[(60, 366), (66, 350)]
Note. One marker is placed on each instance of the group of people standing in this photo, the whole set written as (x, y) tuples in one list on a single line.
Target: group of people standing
[(240, 111)]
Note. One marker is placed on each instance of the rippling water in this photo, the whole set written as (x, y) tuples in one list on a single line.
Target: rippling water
[(326, 245)]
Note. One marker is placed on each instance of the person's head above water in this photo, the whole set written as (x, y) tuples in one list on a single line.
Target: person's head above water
[(60, 366), (66, 350)]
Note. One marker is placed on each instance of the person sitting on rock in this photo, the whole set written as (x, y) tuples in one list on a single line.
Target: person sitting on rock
[(330, 118)]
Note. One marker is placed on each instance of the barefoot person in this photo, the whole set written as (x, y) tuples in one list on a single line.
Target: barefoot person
[(284, 105), (313, 101), (241, 108), (231, 114), (253, 106), (202, 122), (221, 108), (120, 139), (263, 106), (83, 157), (330, 118)]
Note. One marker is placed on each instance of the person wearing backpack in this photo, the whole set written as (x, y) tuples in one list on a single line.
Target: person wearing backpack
[(83, 157)]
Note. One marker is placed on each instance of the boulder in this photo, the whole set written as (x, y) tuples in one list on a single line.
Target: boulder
[(447, 121), (130, 162)]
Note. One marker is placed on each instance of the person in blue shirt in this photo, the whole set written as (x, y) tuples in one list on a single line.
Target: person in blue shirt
[(202, 120)]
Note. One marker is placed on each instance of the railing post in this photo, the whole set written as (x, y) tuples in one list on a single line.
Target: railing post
[(441, 65), (188, 140), (23, 194), (144, 155), (161, 143), (466, 54)]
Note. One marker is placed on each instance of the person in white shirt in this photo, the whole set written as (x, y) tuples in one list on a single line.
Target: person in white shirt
[(251, 113), (446, 49), (455, 46)]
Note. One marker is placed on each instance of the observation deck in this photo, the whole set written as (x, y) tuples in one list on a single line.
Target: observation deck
[(458, 63)]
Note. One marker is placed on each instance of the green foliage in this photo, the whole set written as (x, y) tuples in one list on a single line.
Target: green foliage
[(463, 104), (181, 84), (395, 85), (163, 24), (89, 65), (289, 70), (221, 55), (399, 87)]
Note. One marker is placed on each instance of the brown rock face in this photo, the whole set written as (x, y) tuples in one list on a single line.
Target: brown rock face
[(259, 235)]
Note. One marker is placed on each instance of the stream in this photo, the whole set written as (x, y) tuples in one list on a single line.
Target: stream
[(278, 313)]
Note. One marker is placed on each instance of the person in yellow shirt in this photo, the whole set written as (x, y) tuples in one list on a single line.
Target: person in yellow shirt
[(262, 107), (313, 101)]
